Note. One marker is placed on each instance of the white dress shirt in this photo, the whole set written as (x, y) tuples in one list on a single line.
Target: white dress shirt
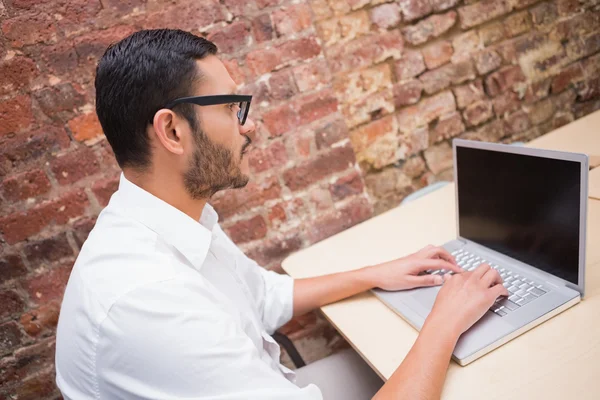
[(161, 306)]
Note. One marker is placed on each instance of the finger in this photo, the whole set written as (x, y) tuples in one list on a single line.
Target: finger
[(481, 270), (498, 290), (425, 280), (441, 253), (437, 263), (491, 278)]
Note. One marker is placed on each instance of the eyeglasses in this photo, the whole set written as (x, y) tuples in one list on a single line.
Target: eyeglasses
[(244, 103)]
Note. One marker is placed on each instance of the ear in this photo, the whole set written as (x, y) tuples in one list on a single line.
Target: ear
[(168, 128)]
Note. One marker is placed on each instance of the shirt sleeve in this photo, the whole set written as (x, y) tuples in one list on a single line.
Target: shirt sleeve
[(272, 292), (157, 343)]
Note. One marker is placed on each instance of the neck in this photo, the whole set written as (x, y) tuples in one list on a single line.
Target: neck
[(169, 190)]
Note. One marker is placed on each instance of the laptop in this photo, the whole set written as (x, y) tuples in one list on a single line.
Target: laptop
[(523, 211)]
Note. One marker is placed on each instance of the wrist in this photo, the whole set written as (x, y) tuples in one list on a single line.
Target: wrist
[(442, 327), (367, 277)]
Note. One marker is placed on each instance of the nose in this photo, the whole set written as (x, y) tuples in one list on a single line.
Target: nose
[(248, 129)]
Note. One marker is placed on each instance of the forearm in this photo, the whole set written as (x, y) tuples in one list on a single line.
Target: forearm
[(422, 373), (312, 293)]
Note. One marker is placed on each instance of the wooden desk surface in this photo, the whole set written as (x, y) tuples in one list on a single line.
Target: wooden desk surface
[(580, 136), (558, 359)]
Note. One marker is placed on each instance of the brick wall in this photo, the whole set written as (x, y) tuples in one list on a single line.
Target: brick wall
[(355, 100)]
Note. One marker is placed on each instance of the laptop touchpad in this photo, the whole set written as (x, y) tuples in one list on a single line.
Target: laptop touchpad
[(425, 297)]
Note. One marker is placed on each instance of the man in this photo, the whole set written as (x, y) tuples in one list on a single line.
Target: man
[(160, 303)]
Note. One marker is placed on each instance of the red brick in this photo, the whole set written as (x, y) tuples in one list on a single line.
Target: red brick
[(17, 73), (263, 60), (442, 77), (85, 126), (386, 15), (366, 135), (588, 89), (438, 54), (415, 166), (540, 112), (487, 61), (578, 26), (544, 13), (39, 386), (447, 127), (568, 7), (566, 77), (410, 65), (429, 28), (491, 33), (27, 361), (414, 9), (248, 230), (442, 5), (91, 46), (507, 102), (78, 15), (466, 45), (585, 108), (240, 7), (503, 80), (48, 250), (517, 23), (74, 166), (478, 112), (331, 133), (104, 188), (292, 19), (301, 144), (407, 93), (538, 90), (321, 199), (512, 50), (469, 93), (59, 98), (516, 122), (309, 172), (591, 66), (491, 132), (20, 225), (60, 58), (589, 45), (124, 7), (15, 115), (439, 157), (300, 49), (10, 337), (520, 4), (281, 119), (25, 149), (82, 228), (273, 156), (346, 186), (48, 285), (29, 29), (276, 216), (350, 214), (428, 110), (11, 302), (267, 3), (189, 15), (281, 85), (312, 76), (262, 28), (11, 266), (27, 184), (565, 100), (273, 250), (229, 202), (232, 38), (316, 106), (41, 319), (478, 13), (365, 51)]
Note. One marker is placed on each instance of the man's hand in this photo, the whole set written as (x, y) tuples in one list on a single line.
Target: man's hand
[(465, 298), (405, 273)]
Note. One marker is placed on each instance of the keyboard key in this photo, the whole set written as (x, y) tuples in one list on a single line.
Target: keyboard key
[(521, 293), (526, 299), (514, 298), (501, 313), (525, 286), (537, 292), (509, 304), (513, 289)]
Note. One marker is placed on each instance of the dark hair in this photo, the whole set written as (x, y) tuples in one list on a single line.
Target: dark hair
[(136, 77)]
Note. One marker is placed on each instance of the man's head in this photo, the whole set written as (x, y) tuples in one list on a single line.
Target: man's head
[(201, 145)]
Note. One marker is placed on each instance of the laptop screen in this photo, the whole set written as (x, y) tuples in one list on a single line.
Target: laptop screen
[(523, 206)]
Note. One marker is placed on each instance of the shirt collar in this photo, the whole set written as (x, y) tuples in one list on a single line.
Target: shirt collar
[(192, 238)]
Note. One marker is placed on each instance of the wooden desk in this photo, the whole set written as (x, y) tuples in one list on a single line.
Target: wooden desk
[(556, 360), (580, 136)]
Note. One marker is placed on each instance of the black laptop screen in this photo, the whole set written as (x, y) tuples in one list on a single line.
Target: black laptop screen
[(523, 206)]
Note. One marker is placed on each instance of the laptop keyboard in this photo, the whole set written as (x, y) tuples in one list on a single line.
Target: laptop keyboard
[(522, 290)]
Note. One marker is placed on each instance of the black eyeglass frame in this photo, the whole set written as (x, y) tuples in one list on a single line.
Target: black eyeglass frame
[(244, 101)]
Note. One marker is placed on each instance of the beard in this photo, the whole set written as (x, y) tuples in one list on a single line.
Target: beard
[(213, 168)]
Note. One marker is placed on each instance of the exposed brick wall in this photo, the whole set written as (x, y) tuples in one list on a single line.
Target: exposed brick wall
[(355, 101)]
